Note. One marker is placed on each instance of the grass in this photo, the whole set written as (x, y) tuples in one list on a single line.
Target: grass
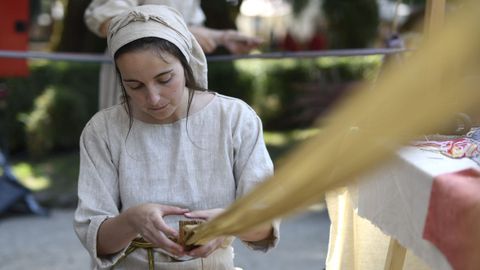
[(54, 178)]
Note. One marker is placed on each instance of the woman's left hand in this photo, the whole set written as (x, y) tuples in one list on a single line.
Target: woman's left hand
[(205, 250)]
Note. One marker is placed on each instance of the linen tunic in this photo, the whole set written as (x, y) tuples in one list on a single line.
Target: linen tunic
[(101, 10), (221, 157)]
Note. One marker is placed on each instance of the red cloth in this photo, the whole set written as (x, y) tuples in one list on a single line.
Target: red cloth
[(453, 219)]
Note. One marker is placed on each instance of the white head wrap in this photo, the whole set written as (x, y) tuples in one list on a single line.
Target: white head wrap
[(161, 22)]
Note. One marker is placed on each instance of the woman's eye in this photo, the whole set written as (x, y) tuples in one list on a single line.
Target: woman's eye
[(135, 87), (165, 79)]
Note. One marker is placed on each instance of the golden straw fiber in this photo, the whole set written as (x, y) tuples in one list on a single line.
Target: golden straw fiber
[(416, 98)]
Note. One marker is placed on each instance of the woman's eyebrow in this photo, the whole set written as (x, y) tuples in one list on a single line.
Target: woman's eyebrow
[(163, 73), (130, 80), (156, 76)]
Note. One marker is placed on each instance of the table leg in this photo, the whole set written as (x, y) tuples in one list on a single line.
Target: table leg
[(395, 255)]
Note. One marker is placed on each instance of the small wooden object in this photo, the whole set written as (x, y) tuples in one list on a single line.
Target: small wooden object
[(185, 230)]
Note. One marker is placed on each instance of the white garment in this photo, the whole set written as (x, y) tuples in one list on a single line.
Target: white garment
[(219, 159), (100, 11)]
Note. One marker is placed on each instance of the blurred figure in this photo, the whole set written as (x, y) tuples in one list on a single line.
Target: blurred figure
[(98, 15)]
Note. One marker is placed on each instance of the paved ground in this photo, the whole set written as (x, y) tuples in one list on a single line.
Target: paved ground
[(30, 242)]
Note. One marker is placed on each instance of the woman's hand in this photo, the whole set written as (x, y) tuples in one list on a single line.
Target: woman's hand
[(147, 220), (205, 250), (204, 214)]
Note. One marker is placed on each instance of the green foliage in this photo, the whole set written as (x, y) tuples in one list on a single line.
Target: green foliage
[(351, 23), (290, 94), (56, 121), (279, 86), (79, 78), (225, 78), (414, 2)]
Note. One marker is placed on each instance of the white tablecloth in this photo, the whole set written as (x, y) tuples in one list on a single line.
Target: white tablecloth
[(395, 198)]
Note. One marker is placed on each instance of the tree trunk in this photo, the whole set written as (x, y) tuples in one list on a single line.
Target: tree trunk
[(351, 23), (220, 14), (72, 35)]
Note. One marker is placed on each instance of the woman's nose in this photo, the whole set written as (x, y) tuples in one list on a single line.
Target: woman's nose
[(153, 95)]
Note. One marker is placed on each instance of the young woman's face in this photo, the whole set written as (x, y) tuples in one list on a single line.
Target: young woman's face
[(154, 84)]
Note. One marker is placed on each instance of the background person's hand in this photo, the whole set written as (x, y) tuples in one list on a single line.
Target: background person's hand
[(206, 37), (238, 43), (147, 220), (234, 41)]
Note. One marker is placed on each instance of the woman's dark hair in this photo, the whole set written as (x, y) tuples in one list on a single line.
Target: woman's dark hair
[(159, 46)]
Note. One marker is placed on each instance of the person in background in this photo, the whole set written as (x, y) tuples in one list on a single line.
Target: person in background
[(97, 18), (171, 151)]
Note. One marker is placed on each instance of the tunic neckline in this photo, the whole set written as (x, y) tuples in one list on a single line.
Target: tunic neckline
[(181, 120)]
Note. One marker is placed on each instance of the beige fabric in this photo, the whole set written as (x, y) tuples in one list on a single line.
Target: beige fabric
[(161, 22), (221, 259), (355, 243), (413, 99), (101, 10), (110, 91), (219, 159)]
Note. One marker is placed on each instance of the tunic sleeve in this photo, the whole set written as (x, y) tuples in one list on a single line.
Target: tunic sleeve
[(98, 194), (191, 10), (101, 10), (195, 16), (252, 165)]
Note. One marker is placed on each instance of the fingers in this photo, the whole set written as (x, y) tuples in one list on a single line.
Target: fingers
[(205, 37), (240, 38), (207, 249), (172, 210), (204, 214), (200, 214), (208, 45), (159, 239), (159, 223), (238, 43)]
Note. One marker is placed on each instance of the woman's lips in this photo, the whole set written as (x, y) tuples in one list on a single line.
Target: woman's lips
[(158, 108)]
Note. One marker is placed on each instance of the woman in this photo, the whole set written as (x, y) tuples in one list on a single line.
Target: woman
[(171, 151)]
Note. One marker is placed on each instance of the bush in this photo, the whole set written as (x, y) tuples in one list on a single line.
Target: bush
[(291, 94), (56, 121), (225, 78), (351, 23), (79, 78)]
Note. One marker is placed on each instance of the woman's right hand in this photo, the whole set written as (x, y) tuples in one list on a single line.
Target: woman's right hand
[(147, 220)]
